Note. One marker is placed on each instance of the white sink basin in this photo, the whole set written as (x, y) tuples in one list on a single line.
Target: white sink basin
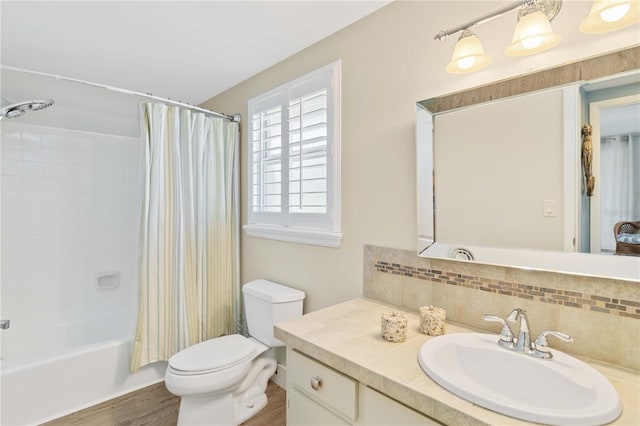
[(561, 391)]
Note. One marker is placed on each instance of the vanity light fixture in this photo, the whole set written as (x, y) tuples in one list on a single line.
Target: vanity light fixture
[(610, 15), (533, 34), (468, 55)]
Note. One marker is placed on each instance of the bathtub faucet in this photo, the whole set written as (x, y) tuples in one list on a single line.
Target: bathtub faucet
[(4, 324)]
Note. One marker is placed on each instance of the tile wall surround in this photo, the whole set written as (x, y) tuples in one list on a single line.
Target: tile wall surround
[(69, 213), (602, 315)]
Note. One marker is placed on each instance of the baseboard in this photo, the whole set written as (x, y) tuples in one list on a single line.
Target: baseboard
[(280, 376)]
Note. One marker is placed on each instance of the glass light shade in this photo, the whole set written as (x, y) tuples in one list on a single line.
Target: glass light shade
[(610, 15), (533, 34), (468, 55)]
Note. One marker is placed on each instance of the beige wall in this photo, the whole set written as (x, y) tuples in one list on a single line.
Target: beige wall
[(389, 61)]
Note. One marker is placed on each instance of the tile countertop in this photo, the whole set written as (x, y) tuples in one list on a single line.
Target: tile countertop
[(347, 337)]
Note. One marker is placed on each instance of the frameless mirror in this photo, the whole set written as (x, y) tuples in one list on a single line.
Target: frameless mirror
[(505, 182)]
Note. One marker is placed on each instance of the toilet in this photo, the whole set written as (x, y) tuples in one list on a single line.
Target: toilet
[(222, 381)]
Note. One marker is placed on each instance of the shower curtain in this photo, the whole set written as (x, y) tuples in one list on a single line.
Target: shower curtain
[(189, 290), (619, 171)]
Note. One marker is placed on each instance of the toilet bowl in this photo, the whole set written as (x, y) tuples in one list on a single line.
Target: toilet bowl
[(222, 381)]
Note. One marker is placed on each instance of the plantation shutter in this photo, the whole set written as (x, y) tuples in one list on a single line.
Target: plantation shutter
[(309, 151), (266, 189), (294, 181)]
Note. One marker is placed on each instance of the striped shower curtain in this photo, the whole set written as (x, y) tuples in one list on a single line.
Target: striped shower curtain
[(619, 184), (189, 290)]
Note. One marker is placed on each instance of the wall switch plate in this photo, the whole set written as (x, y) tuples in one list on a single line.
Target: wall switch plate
[(549, 208)]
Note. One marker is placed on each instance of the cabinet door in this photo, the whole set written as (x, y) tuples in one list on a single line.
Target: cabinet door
[(303, 411), (380, 410)]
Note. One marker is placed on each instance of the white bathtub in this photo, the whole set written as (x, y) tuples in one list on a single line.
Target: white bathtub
[(45, 384)]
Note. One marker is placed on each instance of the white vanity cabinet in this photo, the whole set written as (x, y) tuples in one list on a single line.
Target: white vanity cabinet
[(319, 395)]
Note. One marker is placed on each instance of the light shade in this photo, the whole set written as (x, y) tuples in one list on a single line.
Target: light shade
[(533, 34), (610, 15), (468, 55)]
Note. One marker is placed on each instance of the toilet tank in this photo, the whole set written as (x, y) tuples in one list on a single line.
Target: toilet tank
[(266, 304)]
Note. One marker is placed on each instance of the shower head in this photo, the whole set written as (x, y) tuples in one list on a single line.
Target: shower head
[(13, 110)]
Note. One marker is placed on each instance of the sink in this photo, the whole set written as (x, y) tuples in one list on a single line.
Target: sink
[(561, 391)]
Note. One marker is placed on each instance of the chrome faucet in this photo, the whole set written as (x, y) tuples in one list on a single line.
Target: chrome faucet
[(523, 342), (538, 349)]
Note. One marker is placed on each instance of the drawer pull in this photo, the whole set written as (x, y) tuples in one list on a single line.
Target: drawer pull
[(316, 383)]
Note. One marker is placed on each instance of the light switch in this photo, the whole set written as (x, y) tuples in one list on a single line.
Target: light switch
[(549, 208)]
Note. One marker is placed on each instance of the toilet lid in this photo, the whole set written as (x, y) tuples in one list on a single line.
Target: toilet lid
[(215, 354)]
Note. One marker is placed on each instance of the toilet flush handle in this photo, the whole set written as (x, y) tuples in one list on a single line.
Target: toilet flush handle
[(316, 382)]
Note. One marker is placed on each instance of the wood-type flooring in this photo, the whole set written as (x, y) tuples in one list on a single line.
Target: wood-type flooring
[(156, 406)]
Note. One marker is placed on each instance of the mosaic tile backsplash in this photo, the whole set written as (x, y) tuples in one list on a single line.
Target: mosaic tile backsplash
[(575, 299), (602, 315)]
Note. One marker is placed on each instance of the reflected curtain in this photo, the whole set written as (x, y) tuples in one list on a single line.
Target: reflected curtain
[(619, 168), (188, 243)]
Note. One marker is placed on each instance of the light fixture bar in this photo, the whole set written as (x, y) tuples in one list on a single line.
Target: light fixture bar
[(484, 18), (549, 7)]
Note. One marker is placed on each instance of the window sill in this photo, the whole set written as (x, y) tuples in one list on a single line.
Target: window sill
[(295, 235)]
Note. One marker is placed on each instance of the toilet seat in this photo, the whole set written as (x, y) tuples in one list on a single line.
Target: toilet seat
[(221, 353)]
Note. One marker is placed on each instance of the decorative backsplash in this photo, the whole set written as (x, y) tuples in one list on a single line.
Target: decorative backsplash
[(601, 314), (575, 299)]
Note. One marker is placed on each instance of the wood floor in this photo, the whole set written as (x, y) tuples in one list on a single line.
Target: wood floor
[(154, 405)]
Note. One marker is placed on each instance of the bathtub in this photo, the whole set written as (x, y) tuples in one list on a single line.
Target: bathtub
[(55, 372)]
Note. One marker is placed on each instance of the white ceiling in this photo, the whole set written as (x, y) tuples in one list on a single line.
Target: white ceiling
[(183, 50)]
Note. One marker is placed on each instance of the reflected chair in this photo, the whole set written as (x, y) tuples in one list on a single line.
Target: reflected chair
[(627, 235)]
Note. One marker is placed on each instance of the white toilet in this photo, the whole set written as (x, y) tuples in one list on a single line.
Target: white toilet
[(222, 381)]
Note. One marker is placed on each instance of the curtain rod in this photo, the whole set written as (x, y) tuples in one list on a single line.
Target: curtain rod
[(234, 117)]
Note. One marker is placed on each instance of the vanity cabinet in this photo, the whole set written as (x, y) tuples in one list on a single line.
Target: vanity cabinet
[(319, 395)]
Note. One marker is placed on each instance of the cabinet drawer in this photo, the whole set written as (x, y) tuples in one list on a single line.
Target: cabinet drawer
[(324, 384), (303, 411)]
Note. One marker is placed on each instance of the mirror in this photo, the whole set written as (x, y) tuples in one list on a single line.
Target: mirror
[(495, 186)]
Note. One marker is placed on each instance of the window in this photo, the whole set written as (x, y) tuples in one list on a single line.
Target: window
[(294, 160)]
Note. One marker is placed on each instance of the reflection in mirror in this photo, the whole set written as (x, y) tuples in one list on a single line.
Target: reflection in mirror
[(508, 182), (495, 164), (616, 195)]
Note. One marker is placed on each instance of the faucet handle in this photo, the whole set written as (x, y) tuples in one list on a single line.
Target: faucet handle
[(542, 344), (506, 335)]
